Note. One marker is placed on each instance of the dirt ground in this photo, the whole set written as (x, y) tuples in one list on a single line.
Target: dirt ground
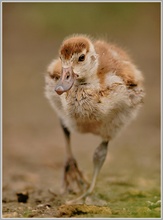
[(33, 153)]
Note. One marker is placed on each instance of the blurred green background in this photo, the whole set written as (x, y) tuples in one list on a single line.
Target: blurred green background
[(32, 33)]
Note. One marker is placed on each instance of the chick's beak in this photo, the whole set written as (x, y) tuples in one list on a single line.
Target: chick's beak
[(66, 81)]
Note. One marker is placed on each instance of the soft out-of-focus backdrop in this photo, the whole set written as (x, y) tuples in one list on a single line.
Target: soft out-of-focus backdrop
[(33, 144)]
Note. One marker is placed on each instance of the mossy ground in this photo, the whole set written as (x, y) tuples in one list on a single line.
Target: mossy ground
[(118, 198)]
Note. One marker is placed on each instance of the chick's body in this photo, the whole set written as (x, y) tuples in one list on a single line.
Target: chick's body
[(101, 105), (101, 91)]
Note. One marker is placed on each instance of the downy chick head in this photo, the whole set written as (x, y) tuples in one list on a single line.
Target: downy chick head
[(78, 62)]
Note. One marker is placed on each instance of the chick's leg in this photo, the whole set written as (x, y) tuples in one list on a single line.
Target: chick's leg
[(73, 179), (98, 160)]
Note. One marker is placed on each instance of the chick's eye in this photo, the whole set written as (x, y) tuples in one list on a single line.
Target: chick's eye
[(56, 77), (81, 58)]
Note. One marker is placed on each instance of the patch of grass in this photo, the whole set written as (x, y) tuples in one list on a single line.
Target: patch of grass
[(27, 214), (128, 201)]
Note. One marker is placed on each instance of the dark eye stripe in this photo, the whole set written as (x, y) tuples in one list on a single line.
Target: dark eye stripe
[(54, 76)]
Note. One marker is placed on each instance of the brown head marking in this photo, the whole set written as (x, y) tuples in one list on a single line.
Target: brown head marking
[(73, 45)]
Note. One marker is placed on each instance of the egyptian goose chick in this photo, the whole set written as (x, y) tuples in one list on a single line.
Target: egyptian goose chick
[(95, 88)]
